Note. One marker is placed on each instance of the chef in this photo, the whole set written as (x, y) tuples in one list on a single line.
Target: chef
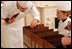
[(63, 13), (12, 30)]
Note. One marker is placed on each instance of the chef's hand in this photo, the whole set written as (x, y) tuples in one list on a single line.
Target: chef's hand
[(34, 22), (10, 21), (66, 41)]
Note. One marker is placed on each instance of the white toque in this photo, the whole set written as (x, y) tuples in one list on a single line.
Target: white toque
[(64, 5)]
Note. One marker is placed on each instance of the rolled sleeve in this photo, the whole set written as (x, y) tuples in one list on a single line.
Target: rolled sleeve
[(37, 17)]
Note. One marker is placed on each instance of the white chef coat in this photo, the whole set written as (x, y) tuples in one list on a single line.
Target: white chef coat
[(12, 34), (62, 29)]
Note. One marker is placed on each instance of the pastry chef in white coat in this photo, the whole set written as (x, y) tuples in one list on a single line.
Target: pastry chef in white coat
[(12, 31), (63, 13)]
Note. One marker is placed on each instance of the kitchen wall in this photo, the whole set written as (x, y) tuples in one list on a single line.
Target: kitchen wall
[(47, 11)]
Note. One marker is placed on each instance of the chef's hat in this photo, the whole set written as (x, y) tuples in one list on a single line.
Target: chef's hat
[(64, 5), (24, 4)]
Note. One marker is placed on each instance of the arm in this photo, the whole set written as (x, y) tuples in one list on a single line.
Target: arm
[(5, 13), (36, 15), (68, 27)]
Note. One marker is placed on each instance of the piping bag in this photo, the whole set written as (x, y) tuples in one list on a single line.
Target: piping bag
[(7, 19)]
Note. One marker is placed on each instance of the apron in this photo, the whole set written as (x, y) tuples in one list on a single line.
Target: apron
[(12, 34)]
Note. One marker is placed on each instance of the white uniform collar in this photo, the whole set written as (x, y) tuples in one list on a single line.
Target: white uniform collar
[(66, 21)]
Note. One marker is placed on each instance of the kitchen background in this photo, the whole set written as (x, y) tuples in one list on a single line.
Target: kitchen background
[(47, 11)]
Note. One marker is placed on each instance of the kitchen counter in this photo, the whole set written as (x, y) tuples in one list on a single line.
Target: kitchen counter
[(41, 37)]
